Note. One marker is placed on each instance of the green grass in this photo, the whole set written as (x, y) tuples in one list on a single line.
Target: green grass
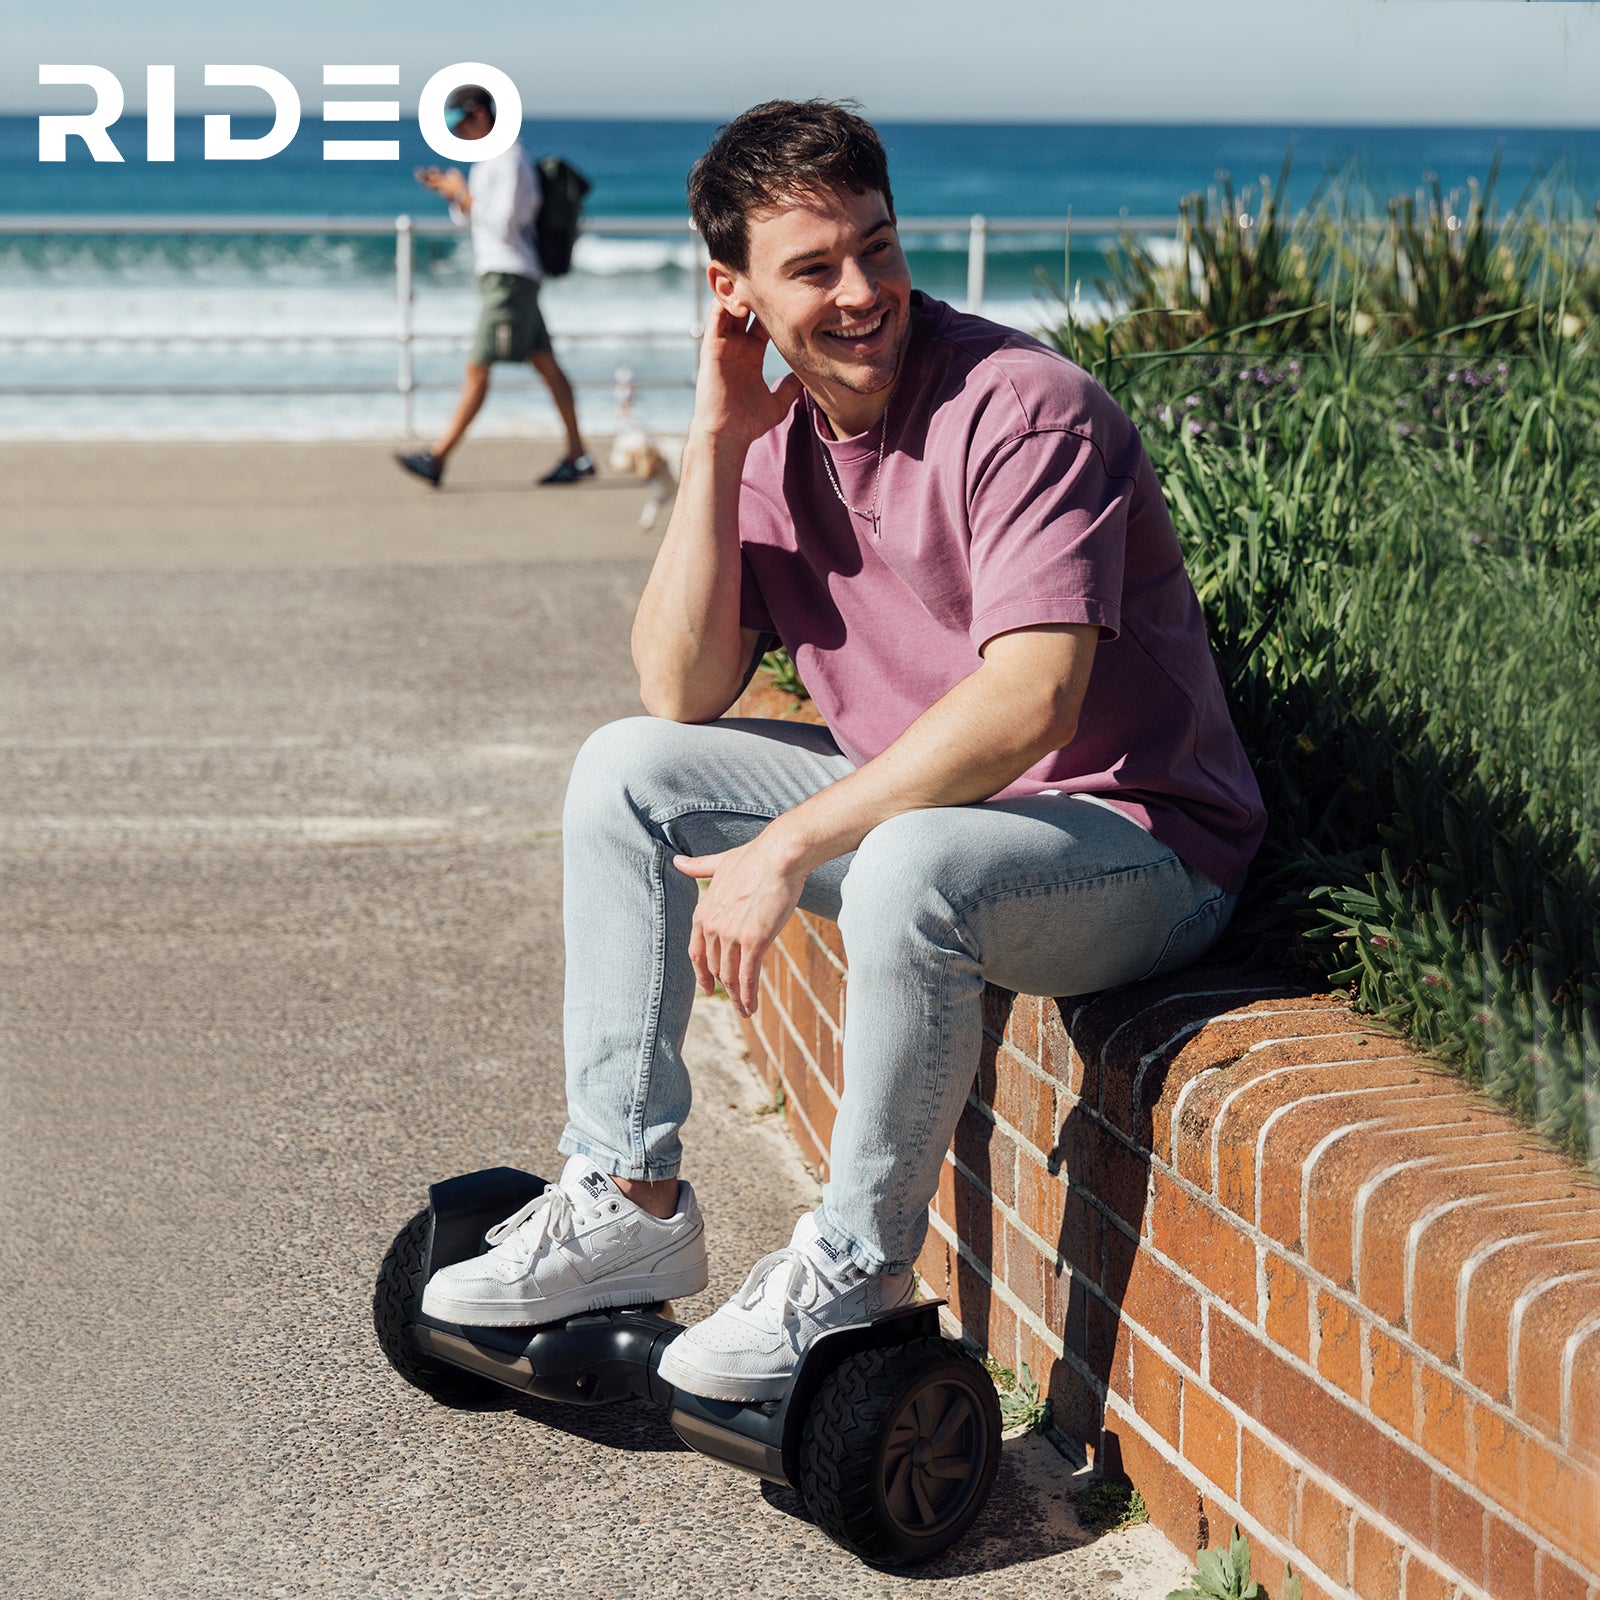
[(1398, 550), (1022, 1405), (1109, 1506)]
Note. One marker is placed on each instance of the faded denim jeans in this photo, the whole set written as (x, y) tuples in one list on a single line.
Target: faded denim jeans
[(1050, 895)]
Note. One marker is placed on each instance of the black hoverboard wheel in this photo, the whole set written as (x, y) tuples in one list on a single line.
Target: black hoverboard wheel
[(899, 1450), (396, 1304)]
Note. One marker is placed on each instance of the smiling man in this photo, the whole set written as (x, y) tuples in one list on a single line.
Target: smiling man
[(1028, 774)]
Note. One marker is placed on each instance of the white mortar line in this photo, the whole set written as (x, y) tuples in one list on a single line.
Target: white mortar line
[(1358, 1217), (1309, 1166), (1469, 1271), (1569, 1357), (1282, 1111), (1519, 1309)]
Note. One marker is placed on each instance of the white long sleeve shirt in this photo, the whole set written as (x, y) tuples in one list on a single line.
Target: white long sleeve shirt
[(505, 199)]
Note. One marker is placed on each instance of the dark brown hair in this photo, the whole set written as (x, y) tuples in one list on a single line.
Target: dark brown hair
[(772, 151)]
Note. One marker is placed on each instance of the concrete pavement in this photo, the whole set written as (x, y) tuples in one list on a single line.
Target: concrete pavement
[(283, 738)]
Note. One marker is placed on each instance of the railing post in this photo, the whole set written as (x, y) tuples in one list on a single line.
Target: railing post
[(403, 296), (977, 238)]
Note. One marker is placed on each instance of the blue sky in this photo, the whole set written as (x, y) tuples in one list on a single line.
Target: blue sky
[(1477, 62)]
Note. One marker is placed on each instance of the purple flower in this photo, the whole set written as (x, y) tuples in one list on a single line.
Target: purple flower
[(1196, 427)]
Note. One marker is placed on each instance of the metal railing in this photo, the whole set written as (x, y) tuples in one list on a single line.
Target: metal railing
[(406, 230)]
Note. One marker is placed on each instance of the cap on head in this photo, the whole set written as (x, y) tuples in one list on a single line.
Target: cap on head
[(463, 101), (778, 149)]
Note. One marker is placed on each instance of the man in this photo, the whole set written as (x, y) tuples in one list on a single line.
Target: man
[(498, 202), (1028, 776)]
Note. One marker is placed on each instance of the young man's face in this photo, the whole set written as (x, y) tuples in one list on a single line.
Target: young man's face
[(828, 281)]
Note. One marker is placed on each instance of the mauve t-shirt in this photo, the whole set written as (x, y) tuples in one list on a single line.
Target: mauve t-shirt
[(1015, 492)]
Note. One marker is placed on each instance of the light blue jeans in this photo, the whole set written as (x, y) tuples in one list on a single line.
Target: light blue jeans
[(1050, 895)]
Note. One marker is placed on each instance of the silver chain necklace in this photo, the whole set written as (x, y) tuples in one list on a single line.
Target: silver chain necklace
[(877, 477)]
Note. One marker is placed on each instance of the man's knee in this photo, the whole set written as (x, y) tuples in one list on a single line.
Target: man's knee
[(626, 758), (901, 876)]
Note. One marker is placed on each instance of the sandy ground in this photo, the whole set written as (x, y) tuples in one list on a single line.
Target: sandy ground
[(283, 737)]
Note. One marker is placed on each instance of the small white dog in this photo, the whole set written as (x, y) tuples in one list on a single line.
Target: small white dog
[(635, 454)]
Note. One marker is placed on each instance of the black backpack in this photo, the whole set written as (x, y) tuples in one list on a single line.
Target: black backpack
[(555, 230)]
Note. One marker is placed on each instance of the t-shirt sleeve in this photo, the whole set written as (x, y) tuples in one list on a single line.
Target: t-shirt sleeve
[(1048, 534)]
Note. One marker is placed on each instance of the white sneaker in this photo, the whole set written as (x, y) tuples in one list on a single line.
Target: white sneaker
[(582, 1245), (749, 1349)]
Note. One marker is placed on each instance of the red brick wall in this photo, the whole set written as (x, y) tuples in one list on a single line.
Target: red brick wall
[(1273, 1267)]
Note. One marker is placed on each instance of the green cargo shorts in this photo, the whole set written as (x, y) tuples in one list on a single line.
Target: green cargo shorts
[(509, 326)]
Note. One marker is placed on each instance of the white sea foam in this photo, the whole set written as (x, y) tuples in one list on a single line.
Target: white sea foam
[(233, 337)]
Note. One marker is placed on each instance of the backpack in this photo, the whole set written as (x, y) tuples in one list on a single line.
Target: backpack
[(555, 229)]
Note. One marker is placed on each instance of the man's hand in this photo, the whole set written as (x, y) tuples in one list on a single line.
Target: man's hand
[(446, 182), (732, 402), (752, 893)]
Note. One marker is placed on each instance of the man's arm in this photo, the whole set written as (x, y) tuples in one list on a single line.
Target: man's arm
[(689, 649), (1021, 703)]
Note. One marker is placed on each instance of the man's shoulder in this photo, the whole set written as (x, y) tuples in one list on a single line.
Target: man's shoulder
[(1017, 380)]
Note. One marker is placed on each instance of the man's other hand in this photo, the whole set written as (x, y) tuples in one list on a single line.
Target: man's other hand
[(752, 893)]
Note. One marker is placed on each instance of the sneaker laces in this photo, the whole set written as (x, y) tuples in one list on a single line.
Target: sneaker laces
[(788, 1279), (546, 1218)]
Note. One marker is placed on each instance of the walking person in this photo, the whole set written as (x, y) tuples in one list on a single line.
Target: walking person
[(499, 203), (1028, 774)]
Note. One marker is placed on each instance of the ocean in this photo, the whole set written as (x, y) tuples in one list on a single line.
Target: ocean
[(249, 334)]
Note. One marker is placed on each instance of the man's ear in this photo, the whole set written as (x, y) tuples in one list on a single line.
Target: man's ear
[(726, 289)]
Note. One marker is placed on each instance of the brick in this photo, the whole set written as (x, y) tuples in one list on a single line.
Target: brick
[(830, 1055), (1155, 1300), (1171, 1499), (1022, 1027), (1221, 1045), (1555, 1579), (1583, 1398), (1498, 1460), (1426, 1582), (1338, 1438), (1266, 1483), (1563, 1502), (1547, 1323), (1025, 1099), (1289, 1296), (933, 1267), (1339, 1343), (1060, 1214), (1393, 1391), (944, 1203), (1156, 1391), (1322, 1528), (1375, 1561), (996, 1010), (1025, 1269), (1119, 1179), (1409, 1114), (1210, 1437), (826, 932), (1077, 1405), (1058, 1060), (1489, 1301), (1241, 1121), (1511, 1557), (1196, 1235), (1038, 1355), (1517, 1205), (1443, 1420), (1391, 1211)]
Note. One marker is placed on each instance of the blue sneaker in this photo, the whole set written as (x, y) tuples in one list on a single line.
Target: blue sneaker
[(424, 464), (570, 470)]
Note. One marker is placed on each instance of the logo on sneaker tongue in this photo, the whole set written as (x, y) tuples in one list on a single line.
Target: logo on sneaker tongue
[(595, 1184), (832, 1252)]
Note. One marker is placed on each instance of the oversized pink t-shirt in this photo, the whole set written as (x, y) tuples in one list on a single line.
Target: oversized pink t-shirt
[(1015, 492)]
